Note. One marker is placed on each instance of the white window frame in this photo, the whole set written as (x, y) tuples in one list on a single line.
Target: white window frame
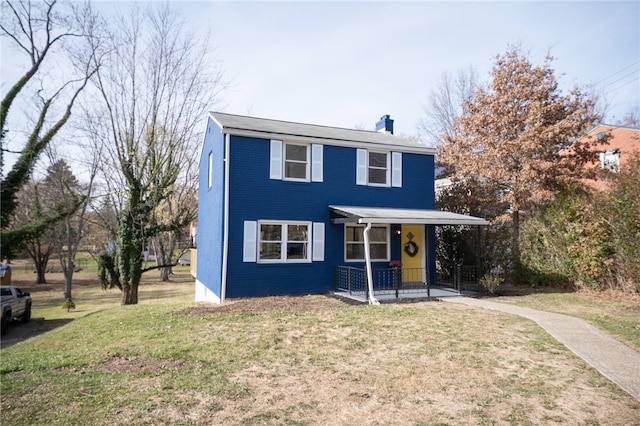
[(387, 242), (387, 169), (284, 241), (307, 162), (393, 175), (210, 170), (610, 160)]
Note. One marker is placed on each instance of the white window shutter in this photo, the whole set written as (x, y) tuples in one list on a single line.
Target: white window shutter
[(361, 167), (275, 160), (249, 245), (396, 169), (316, 163), (318, 242)]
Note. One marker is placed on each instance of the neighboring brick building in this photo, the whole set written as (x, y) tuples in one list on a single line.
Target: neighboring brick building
[(620, 143)]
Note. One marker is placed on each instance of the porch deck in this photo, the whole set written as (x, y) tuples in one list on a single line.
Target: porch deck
[(435, 292), (404, 283)]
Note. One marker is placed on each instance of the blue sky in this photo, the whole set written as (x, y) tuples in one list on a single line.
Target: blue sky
[(348, 63)]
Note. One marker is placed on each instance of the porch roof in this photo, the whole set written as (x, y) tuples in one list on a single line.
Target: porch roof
[(352, 214)]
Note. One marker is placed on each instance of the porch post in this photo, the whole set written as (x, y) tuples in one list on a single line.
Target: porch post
[(367, 259)]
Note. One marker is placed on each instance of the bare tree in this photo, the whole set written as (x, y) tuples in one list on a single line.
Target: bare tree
[(445, 104), (56, 37), (514, 135), (631, 118), (158, 84)]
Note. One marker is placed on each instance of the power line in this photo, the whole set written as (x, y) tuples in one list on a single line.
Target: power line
[(635, 72), (618, 72)]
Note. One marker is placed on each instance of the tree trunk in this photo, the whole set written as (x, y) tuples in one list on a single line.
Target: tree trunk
[(515, 237), (129, 294), (164, 274), (68, 280), (41, 268)]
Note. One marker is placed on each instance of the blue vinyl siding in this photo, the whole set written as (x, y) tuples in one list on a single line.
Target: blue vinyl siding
[(211, 210), (253, 196)]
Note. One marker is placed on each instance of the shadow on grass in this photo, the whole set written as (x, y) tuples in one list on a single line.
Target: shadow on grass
[(19, 332)]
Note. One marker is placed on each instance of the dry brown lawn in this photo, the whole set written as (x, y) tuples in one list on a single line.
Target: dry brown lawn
[(312, 360)]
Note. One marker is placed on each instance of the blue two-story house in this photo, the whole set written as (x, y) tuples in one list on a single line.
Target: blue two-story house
[(292, 208)]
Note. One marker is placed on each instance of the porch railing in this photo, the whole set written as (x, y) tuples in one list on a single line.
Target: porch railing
[(458, 277), (395, 281)]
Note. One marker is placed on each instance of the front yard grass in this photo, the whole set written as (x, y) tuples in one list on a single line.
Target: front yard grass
[(312, 360)]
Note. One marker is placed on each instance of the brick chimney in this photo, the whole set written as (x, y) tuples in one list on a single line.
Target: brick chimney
[(385, 125)]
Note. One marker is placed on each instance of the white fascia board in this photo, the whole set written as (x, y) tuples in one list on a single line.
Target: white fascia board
[(405, 221), (426, 150)]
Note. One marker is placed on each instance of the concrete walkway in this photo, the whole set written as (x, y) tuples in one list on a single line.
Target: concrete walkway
[(611, 358)]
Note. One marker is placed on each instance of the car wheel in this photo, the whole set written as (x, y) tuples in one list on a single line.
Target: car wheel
[(4, 327), (27, 315)]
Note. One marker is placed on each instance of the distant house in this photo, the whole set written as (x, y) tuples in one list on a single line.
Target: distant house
[(293, 208), (620, 143)]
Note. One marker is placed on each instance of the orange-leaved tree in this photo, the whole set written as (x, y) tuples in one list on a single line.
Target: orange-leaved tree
[(514, 134)]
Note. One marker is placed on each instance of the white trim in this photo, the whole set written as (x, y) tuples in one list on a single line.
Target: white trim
[(361, 225), (387, 177), (317, 251), (386, 215), (284, 224), (210, 170), (203, 294), (276, 163), (317, 155), (362, 157), (307, 162), (396, 169), (250, 241), (225, 227)]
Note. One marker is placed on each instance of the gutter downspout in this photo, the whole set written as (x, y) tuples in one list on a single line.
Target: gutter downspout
[(367, 259), (225, 231)]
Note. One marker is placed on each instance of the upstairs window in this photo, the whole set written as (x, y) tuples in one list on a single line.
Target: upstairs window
[(296, 162), (210, 171), (378, 168)]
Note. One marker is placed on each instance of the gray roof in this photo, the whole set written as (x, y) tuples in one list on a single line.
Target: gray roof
[(385, 215), (275, 129)]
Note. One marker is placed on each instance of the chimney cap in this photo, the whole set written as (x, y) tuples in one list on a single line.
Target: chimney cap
[(385, 125)]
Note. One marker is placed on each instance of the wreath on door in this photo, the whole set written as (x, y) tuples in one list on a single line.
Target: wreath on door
[(411, 248)]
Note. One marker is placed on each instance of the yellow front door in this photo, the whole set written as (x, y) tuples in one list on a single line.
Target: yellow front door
[(413, 249)]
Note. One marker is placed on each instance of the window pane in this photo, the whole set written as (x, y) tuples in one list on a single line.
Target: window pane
[(295, 170), (270, 251), (378, 251), (296, 250), (271, 232), (297, 233), (355, 251), (378, 159), (377, 176), (355, 233), (296, 152), (378, 234)]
